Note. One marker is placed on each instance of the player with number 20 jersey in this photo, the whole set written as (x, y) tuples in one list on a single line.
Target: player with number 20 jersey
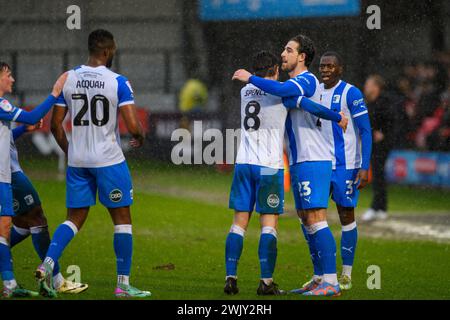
[(93, 96)]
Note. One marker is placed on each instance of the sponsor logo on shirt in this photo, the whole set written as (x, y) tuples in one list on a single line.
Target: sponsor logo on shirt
[(359, 102)]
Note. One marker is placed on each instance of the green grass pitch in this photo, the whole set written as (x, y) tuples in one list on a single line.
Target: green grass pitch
[(180, 217)]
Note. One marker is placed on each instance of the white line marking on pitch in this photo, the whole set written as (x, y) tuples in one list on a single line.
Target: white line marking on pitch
[(426, 230)]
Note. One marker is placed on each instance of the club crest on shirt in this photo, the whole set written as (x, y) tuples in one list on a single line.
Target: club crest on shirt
[(336, 98)]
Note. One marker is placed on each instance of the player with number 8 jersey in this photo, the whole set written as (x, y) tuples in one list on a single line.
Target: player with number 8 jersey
[(258, 177)]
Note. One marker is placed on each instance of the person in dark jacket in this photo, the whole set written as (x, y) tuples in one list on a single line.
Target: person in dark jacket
[(383, 119)]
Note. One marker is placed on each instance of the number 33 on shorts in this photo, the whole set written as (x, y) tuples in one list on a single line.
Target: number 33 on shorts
[(343, 188)]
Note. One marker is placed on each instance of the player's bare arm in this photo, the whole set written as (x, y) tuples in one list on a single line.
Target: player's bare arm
[(134, 127), (59, 85), (59, 113)]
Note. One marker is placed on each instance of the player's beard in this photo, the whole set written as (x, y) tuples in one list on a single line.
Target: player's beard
[(286, 67)]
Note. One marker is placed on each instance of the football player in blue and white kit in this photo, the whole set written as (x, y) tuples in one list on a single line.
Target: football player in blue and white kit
[(258, 176), (29, 216), (309, 155), (8, 114), (94, 95), (352, 150)]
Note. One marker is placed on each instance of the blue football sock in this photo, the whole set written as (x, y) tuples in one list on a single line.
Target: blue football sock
[(123, 247), (326, 250), (61, 238), (18, 235), (41, 242), (233, 249), (6, 266), (312, 251), (267, 252), (348, 243)]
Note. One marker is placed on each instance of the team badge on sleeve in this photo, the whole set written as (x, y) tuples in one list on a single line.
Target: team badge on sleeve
[(6, 106)]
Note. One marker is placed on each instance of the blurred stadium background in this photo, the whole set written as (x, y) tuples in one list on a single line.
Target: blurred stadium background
[(180, 55)]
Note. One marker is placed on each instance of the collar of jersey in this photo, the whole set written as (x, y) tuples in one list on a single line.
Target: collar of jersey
[(332, 88), (85, 66)]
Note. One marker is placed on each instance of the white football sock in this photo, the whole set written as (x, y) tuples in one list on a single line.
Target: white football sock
[(58, 280), (347, 270), (317, 278), (331, 278), (122, 279), (50, 261), (10, 284)]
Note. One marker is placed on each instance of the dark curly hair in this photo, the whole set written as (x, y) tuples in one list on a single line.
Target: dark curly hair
[(264, 63), (306, 46)]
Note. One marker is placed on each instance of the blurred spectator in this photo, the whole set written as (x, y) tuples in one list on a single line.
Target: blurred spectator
[(424, 87), (193, 96), (435, 130), (383, 110)]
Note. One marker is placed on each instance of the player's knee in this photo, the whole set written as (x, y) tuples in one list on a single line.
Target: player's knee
[(120, 215), (346, 216), (36, 217), (241, 219), (78, 216), (314, 216), (241, 224)]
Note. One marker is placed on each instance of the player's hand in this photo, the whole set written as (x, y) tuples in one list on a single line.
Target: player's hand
[(242, 75), (59, 84), (344, 121), (136, 142), (363, 178), (36, 126)]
